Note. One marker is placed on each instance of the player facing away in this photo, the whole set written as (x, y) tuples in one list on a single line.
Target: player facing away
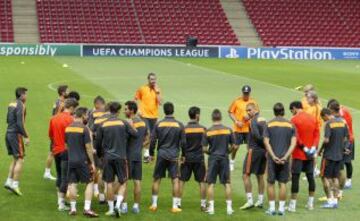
[(63, 91), (192, 157), (148, 98), (95, 113), (345, 182), (307, 134), (81, 161), (280, 141), (134, 150), (112, 139), (57, 126), (255, 159), (16, 136), (333, 148), (218, 143), (237, 113), (168, 136)]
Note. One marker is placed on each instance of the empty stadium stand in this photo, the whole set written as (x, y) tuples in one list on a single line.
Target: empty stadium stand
[(333, 23), (6, 23), (134, 21)]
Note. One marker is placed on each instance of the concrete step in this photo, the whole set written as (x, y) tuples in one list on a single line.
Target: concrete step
[(240, 22), (25, 21)]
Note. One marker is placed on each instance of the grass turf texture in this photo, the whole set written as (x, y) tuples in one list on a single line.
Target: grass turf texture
[(208, 83)]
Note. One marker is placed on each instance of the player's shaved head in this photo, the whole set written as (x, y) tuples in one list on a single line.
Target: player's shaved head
[(216, 115)]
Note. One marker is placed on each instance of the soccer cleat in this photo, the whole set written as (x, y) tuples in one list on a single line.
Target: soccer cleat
[(135, 210), (176, 210), (323, 199), (90, 214), (63, 208), (117, 212), (347, 186), (203, 208), (281, 213), (247, 206), (72, 213), (8, 187), (124, 210), (229, 211), (110, 213), (309, 206), (48, 176), (291, 209), (329, 206), (210, 211), (270, 212), (153, 208), (259, 205), (16, 191)]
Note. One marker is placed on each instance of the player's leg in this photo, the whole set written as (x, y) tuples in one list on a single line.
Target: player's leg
[(109, 177), (238, 141), (159, 173), (247, 181), (202, 196), (72, 198), (271, 187), (224, 176), (312, 187), (211, 180), (261, 189), (282, 198), (121, 171), (296, 169), (137, 196), (87, 176), (199, 171), (349, 172), (341, 179), (176, 197), (210, 194), (49, 161), (9, 181)]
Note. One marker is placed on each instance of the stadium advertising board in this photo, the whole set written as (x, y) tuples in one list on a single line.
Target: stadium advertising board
[(291, 53), (39, 50), (150, 51)]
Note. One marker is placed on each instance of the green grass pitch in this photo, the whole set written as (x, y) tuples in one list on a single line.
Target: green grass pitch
[(208, 83)]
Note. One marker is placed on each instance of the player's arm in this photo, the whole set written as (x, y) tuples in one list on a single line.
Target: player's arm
[(130, 128), (232, 116), (20, 120), (326, 139), (232, 145), (268, 147), (290, 150), (316, 137), (158, 94), (205, 144), (153, 141), (99, 141)]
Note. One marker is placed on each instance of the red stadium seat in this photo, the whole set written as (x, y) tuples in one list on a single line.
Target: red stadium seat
[(140, 22), (6, 22)]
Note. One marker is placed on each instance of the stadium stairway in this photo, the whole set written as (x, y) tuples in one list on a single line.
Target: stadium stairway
[(241, 23), (25, 21)]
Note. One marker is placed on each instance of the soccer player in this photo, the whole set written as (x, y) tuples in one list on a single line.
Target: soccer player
[(112, 139), (304, 101), (81, 161), (97, 112), (192, 158), (167, 136), (348, 158), (75, 95), (237, 113), (134, 149), (307, 134), (16, 136), (63, 91), (333, 149), (280, 141), (218, 143), (149, 99), (255, 159), (58, 124)]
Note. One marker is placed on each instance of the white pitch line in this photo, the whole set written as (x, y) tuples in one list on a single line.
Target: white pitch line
[(354, 110)]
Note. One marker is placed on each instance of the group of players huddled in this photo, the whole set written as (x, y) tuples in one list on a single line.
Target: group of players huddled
[(96, 147)]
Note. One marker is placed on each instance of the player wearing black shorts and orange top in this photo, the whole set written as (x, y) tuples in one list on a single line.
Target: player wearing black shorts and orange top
[(218, 143), (237, 113), (192, 158), (168, 136), (134, 150), (112, 140), (280, 141), (255, 159), (97, 112), (58, 107), (334, 146), (81, 165), (15, 136)]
